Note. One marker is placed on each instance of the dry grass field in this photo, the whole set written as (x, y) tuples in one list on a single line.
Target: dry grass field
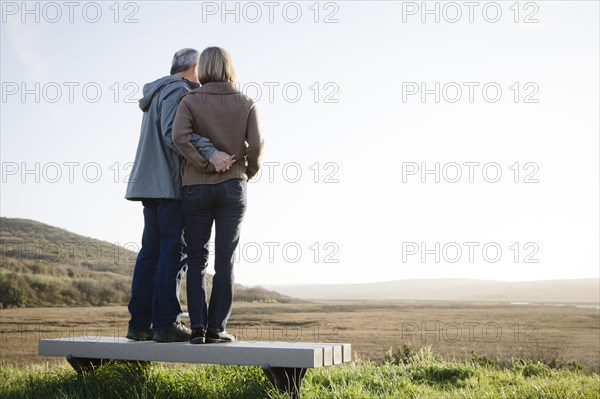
[(372, 327)]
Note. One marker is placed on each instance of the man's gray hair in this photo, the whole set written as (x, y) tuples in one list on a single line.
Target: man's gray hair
[(183, 59)]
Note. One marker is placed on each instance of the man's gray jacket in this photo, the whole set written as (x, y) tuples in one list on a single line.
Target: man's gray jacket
[(156, 169)]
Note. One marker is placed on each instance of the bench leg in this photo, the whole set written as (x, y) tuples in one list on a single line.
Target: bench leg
[(88, 365), (84, 364), (286, 379)]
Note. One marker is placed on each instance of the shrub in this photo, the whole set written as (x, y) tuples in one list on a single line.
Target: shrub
[(441, 373), (12, 293), (484, 360), (531, 369), (406, 354)]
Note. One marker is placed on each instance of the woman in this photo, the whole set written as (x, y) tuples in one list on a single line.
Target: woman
[(219, 112)]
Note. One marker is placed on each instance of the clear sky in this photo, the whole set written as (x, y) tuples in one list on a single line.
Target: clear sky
[(363, 106)]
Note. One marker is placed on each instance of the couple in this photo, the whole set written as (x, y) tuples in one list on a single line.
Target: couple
[(198, 147)]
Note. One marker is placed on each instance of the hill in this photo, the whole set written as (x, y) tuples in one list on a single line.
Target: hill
[(42, 265), (581, 291)]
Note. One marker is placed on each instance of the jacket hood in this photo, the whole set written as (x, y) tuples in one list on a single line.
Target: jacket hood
[(150, 89)]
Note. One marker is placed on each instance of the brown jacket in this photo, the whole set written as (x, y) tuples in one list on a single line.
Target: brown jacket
[(221, 113)]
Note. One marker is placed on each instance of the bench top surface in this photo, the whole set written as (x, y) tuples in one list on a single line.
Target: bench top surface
[(274, 354)]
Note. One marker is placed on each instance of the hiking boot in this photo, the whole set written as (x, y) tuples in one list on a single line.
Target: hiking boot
[(139, 334), (176, 332), (215, 337), (197, 336)]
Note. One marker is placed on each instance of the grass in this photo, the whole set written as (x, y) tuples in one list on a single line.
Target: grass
[(406, 373)]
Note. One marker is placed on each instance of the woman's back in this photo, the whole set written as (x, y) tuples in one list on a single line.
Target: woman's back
[(221, 113)]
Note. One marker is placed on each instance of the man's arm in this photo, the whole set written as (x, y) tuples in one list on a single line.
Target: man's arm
[(255, 142), (222, 161), (182, 138), (204, 146), (168, 108)]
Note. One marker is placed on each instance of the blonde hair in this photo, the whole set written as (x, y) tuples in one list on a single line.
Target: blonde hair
[(215, 66)]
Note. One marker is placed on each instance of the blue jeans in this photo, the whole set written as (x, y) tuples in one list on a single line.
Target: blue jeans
[(159, 267), (225, 204)]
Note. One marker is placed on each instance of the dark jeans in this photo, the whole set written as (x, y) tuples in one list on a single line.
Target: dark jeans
[(225, 204), (159, 267)]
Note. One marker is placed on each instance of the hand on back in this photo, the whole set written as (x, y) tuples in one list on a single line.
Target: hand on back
[(222, 161)]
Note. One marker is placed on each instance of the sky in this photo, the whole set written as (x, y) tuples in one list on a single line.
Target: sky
[(402, 139)]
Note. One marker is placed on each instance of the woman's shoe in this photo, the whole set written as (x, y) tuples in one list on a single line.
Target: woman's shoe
[(215, 337), (197, 336)]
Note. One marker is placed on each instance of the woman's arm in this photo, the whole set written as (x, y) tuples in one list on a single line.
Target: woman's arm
[(255, 142), (182, 138)]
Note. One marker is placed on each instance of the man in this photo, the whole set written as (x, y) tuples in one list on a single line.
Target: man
[(155, 181)]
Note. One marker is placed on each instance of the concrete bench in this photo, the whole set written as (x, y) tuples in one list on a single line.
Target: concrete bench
[(284, 363)]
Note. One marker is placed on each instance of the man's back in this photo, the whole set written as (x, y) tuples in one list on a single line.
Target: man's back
[(155, 172)]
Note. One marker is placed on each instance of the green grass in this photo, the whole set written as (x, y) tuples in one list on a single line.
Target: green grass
[(424, 375)]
